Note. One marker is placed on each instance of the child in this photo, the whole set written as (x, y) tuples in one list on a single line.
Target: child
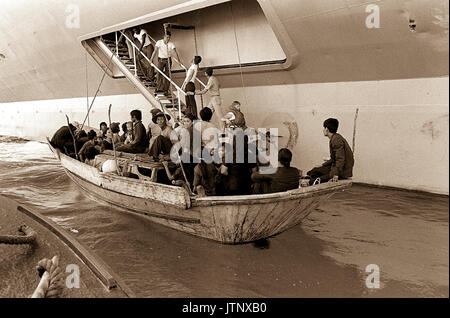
[(129, 133)]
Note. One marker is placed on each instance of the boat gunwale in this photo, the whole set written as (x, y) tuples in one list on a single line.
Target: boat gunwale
[(294, 194)]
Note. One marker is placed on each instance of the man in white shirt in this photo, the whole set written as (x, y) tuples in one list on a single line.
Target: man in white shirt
[(146, 46), (191, 73), (215, 103), (164, 50)]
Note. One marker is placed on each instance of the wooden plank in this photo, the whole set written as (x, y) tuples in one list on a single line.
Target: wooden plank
[(98, 267)]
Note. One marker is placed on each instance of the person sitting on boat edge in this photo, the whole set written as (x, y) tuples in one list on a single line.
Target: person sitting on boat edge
[(139, 143), (340, 164), (285, 178), (91, 141), (63, 140), (89, 154), (160, 143), (112, 135)]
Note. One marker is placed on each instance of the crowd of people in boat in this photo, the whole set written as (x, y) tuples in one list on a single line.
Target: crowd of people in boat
[(199, 176), (216, 177)]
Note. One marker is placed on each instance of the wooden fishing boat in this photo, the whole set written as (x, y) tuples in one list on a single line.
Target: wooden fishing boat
[(227, 219)]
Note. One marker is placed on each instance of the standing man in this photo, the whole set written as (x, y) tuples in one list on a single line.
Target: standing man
[(164, 50), (139, 142), (341, 160), (213, 87), (146, 47), (191, 74)]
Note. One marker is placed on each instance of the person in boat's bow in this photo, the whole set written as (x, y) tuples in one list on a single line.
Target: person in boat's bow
[(160, 143), (340, 164)]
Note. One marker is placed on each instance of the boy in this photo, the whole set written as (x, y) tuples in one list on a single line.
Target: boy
[(341, 160)]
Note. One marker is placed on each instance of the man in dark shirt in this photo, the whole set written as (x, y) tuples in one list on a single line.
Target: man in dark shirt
[(63, 140), (140, 141), (284, 179), (340, 165)]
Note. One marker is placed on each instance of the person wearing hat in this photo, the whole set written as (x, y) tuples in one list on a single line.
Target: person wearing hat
[(160, 143)]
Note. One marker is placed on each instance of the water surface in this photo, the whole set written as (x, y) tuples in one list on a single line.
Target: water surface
[(405, 233)]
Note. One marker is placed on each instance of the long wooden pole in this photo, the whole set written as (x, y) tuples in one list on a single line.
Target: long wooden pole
[(73, 137), (99, 85), (112, 140)]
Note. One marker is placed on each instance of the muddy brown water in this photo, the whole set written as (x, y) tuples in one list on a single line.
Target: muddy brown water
[(405, 234)]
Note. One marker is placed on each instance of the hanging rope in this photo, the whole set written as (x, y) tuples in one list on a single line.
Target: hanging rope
[(354, 130), (238, 54), (87, 87), (112, 140), (28, 238), (99, 85), (52, 279)]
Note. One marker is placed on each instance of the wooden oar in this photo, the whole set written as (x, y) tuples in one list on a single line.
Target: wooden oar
[(73, 137), (112, 140)]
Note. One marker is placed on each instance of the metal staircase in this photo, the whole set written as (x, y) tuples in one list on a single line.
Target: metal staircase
[(118, 52)]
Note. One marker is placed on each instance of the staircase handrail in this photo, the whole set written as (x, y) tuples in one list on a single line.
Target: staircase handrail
[(151, 63)]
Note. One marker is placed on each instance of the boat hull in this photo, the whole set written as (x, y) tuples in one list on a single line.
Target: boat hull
[(229, 220)]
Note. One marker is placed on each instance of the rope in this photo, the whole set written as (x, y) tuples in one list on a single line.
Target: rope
[(87, 89), (238, 54), (28, 238), (99, 85), (354, 130), (52, 279)]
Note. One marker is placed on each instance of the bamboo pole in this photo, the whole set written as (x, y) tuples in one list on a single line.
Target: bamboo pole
[(73, 138), (112, 140)]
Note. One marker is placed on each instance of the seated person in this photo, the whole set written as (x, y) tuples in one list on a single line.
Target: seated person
[(91, 141), (89, 154), (103, 128), (124, 129), (139, 143), (208, 130), (285, 178), (160, 143), (99, 144), (129, 133), (235, 118), (112, 135), (63, 140), (205, 179), (233, 178), (340, 165)]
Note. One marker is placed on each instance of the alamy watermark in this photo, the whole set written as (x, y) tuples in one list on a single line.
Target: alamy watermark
[(73, 16), (373, 19), (233, 146), (373, 279), (73, 279)]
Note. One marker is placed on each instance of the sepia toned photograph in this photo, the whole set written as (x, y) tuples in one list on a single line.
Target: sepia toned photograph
[(221, 156)]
